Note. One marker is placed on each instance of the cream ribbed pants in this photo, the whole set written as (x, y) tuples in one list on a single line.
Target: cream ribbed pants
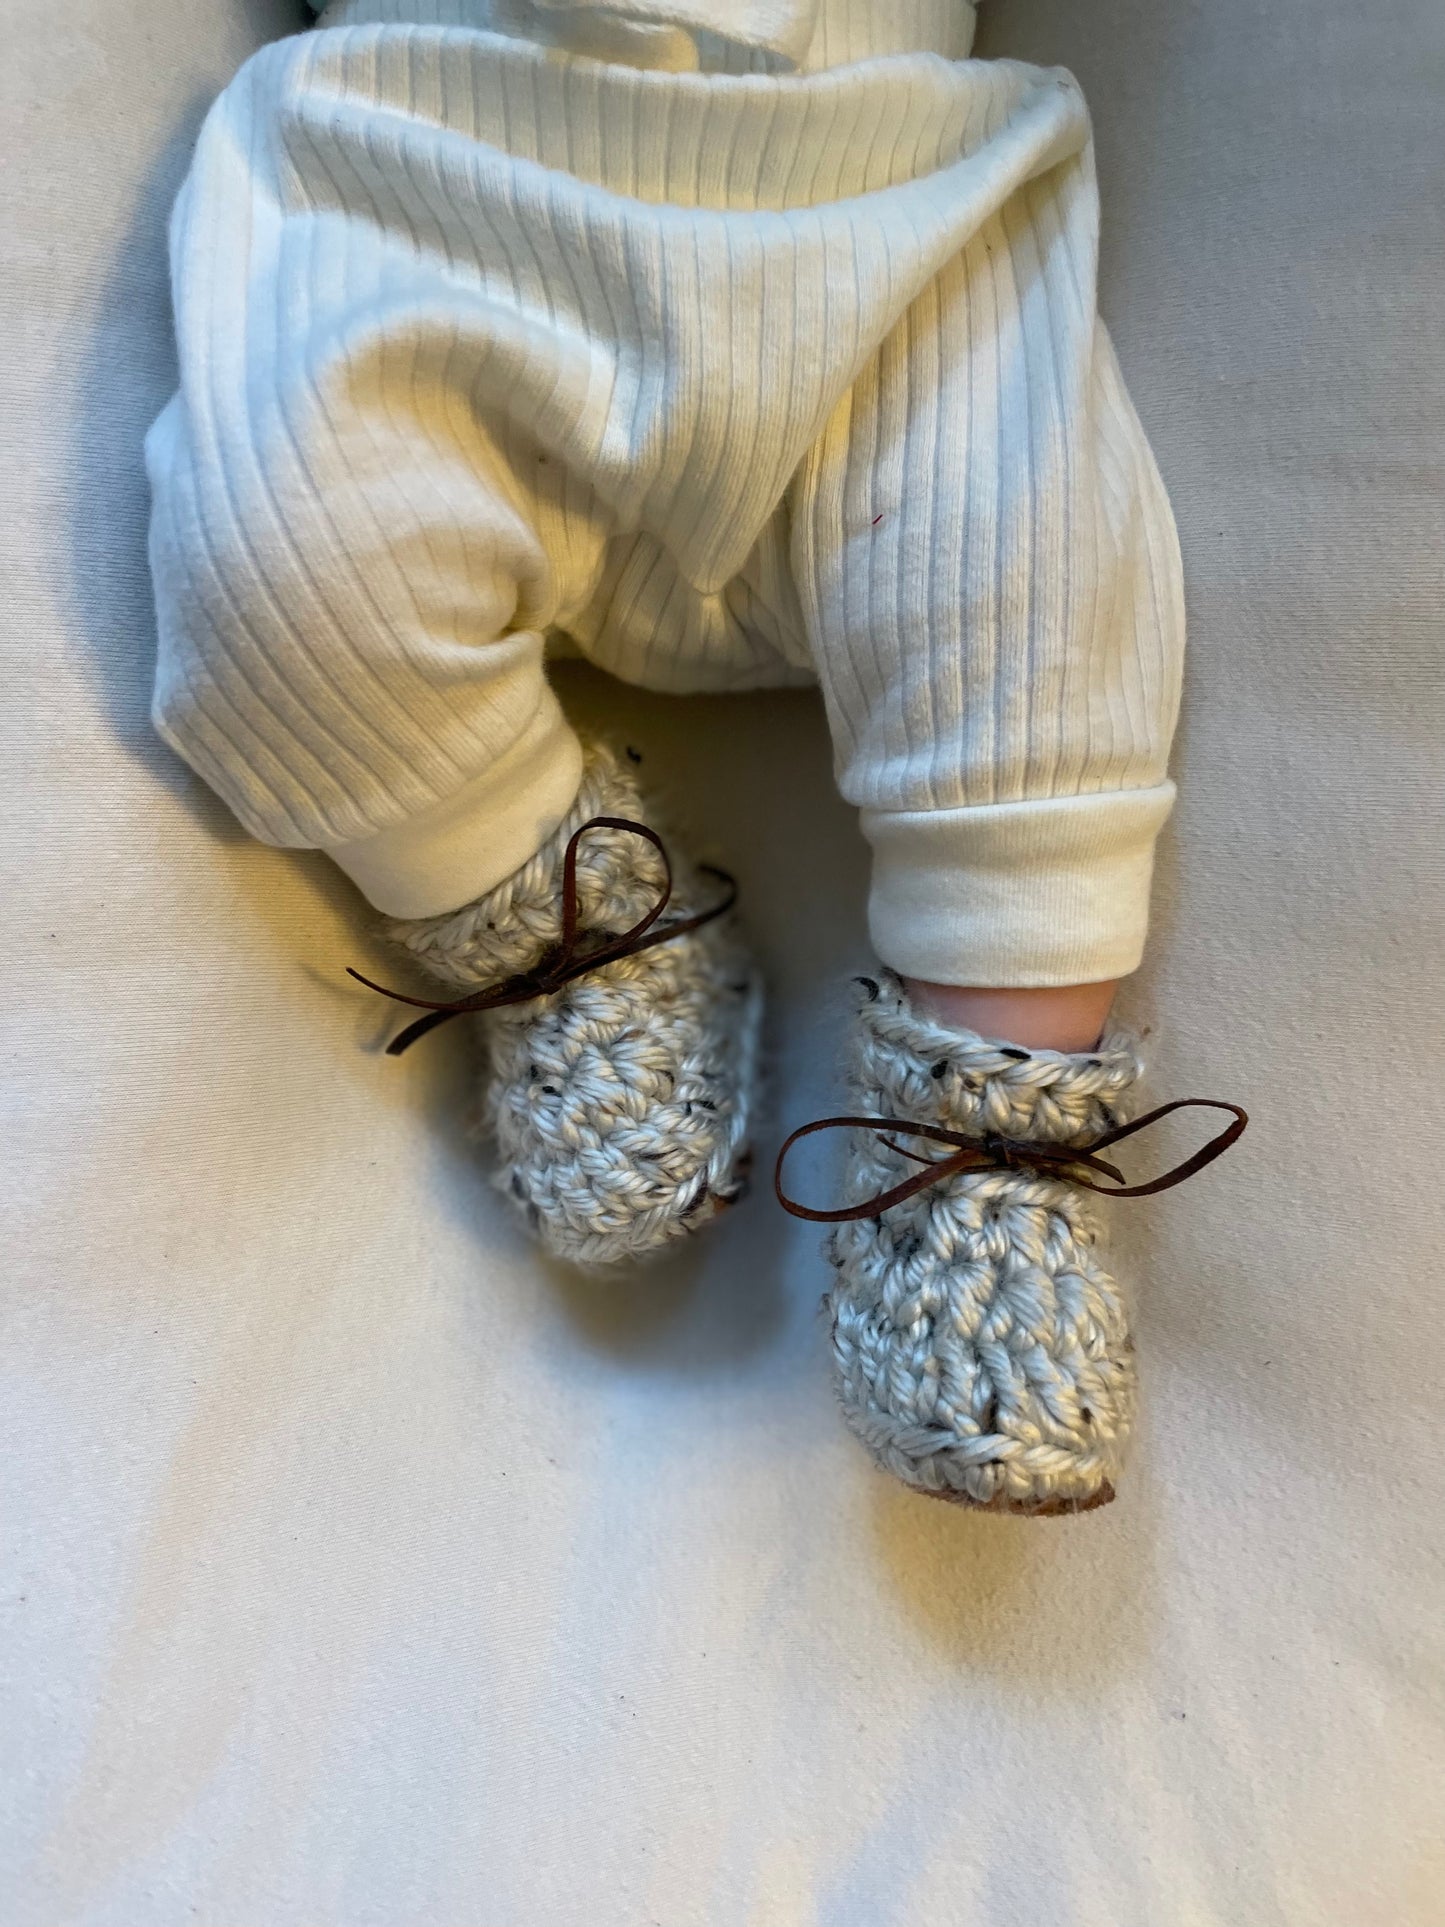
[(734, 379)]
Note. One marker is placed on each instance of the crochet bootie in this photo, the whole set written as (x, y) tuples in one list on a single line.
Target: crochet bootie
[(983, 1352), (619, 1104)]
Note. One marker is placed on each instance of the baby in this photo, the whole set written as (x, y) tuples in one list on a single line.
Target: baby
[(737, 343)]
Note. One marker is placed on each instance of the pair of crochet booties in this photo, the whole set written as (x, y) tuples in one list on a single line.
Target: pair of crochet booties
[(982, 1351)]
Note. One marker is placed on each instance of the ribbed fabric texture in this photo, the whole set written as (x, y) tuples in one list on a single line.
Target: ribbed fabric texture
[(735, 379), (716, 36)]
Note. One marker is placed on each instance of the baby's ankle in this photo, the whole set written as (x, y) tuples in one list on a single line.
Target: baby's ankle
[(1065, 1018)]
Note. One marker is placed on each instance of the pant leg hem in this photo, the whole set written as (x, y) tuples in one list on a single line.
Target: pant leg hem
[(1016, 895), (463, 846)]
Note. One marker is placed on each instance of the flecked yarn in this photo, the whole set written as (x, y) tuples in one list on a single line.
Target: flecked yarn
[(620, 1104), (983, 1353)]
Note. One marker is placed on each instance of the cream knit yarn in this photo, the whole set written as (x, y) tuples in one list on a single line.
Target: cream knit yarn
[(983, 1353), (620, 1104)]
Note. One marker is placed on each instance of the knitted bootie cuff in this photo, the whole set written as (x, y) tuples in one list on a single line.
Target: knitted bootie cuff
[(909, 1065), (619, 878)]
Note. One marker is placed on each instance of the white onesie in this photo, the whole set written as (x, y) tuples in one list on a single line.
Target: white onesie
[(739, 344)]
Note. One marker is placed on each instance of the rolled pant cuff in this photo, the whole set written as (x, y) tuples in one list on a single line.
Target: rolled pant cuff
[(465, 845), (1016, 895)]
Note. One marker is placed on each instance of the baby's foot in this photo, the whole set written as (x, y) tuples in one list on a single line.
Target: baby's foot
[(620, 1103), (983, 1352)]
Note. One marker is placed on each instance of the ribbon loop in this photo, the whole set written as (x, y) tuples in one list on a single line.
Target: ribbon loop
[(570, 958), (1068, 1162)]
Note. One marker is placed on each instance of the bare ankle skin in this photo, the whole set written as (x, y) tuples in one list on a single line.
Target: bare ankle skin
[(1070, 1018)]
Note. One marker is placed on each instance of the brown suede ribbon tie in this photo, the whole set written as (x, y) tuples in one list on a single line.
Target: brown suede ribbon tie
[(569, 958), (994, 1153)]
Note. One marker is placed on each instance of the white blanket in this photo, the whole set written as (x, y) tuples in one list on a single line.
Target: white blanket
[(357, 1569)]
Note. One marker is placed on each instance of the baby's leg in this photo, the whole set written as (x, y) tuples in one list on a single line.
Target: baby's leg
[(352, 581), (991, 579), (357, 554)]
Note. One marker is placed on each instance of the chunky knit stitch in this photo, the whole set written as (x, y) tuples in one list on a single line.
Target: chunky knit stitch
[(983, 1353), (620, 1104)]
